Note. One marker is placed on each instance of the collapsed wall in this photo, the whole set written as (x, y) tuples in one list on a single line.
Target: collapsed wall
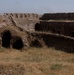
[(27, 30), (13, 29), (12, 37), (52, 40), (57, 30)]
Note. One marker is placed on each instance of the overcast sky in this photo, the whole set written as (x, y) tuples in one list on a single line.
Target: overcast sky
[(36, 6)]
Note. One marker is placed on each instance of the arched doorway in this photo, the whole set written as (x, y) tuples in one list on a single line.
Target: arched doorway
[(17, 43), (37, 27), (6, 37)]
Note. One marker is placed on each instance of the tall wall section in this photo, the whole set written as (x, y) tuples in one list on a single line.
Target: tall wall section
[(25, 20), (60, 23)]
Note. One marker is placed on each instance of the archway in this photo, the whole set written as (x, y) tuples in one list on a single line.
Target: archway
[(17, 43), (6, 37), (37, 27)]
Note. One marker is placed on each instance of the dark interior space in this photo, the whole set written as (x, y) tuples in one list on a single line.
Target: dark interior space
[(72, 34), (37, 27), (36, 44), (59, 32), (18, 43), (6, 37)]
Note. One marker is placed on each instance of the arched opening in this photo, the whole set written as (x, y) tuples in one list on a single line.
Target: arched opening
[(21, 15), (17, 43), (6, 37), (72, 34), (59, 32), (25, 15), (37, 27)]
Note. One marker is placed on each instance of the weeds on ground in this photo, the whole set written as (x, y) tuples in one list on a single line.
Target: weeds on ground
[(56, 66), (2, 49)]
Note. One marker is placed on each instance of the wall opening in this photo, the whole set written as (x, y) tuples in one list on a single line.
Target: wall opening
[(6, 37), (16, 15), (37, 27), (72, 34), (25, 15), (21, 15), (36, 43), (18, 43), (59, 32)]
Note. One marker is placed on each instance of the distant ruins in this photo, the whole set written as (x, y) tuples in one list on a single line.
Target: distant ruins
[(20, 30)]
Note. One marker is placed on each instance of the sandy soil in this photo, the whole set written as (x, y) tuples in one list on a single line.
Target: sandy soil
[(36, 61)]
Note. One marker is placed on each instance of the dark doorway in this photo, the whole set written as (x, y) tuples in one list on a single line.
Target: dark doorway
[(72, 34), (6, 37), (37, 27), (58, 32), (18, 43)]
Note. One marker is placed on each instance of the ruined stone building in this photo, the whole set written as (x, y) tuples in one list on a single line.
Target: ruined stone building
[(13, 28), (20, 30)]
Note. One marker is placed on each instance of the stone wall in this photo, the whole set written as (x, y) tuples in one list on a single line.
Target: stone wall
[(32, 16), (58, 16), (55, 41), (26, 21), (65, 28)]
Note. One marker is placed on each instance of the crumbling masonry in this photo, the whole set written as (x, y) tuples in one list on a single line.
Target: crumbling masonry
[(20, 30)]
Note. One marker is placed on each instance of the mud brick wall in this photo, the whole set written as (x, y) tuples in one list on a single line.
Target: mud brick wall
[(25, 20), (58, 16), (58, 42), (50, 26), (65, 28)]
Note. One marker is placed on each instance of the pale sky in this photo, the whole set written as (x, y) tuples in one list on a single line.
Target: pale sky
[(36, 6)]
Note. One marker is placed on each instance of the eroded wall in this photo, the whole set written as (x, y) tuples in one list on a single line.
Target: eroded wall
[(65, 28), (26, 21), (58, 16), (54, 41)]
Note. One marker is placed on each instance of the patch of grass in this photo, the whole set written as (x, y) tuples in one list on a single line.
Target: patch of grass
[(56, 67)]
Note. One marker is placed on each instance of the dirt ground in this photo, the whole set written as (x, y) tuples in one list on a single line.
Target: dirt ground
[(36, 61)]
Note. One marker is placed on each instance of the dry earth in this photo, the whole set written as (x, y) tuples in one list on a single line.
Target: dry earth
[(36, 61)]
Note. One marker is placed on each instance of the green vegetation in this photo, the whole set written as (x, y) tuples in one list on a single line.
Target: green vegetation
[(56, 67)]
